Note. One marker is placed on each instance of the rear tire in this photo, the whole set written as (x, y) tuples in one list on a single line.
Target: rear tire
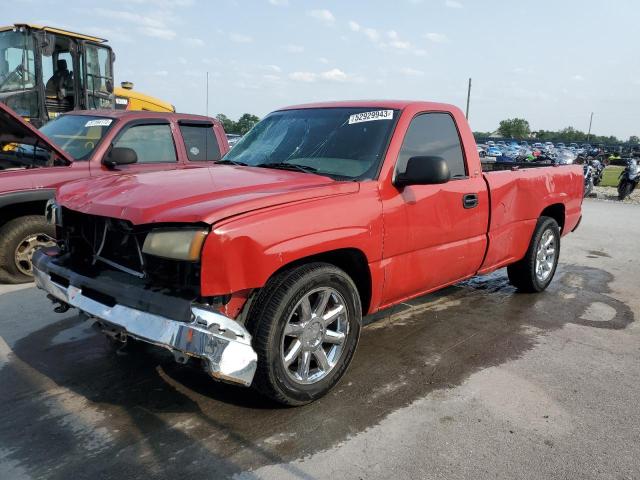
[(624, 189), (536, 270), (18, 240), (290, 309)]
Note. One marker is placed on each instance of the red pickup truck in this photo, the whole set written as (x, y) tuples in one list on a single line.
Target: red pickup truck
[(81, 145), (261, 267)]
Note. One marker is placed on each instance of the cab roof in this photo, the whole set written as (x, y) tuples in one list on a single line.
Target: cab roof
[(139, 114), (57, 31), (387, 104)]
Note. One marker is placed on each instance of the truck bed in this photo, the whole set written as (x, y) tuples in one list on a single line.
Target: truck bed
[(518, 195)]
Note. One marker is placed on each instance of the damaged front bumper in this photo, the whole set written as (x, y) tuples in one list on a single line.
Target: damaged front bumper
[(222, 343)]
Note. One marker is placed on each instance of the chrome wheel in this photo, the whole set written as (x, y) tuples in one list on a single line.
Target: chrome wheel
[(546, 255), (26, 248), (314, 336)]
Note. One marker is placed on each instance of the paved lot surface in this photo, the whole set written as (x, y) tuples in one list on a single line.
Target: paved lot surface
[(476, 381)]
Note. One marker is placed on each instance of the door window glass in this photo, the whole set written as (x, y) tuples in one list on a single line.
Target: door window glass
[(201, 143), (152, 143), (99, 77), (433, 135), (17, 61)]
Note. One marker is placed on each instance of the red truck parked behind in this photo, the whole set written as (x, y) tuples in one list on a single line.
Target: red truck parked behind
[(262, 266), (81, 145)]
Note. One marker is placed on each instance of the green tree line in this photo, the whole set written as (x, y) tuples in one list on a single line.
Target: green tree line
[(241, 126), (519, 128)]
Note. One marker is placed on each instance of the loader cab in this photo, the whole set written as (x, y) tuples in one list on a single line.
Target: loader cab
[(46, 71)]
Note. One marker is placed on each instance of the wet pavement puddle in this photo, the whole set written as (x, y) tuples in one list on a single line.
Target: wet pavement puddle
[(71, 408)]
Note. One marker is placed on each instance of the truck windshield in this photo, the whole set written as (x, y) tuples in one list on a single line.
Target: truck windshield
[(17, 61), (77, 135), (342, 143)]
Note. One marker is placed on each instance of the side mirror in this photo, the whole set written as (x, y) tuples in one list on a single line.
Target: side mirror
[(423, 171), (120, 156)]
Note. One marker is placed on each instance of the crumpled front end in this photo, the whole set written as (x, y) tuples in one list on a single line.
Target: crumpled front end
[(223, 344)]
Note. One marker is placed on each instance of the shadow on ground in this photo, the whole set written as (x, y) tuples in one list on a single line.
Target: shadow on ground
[(71, 406)]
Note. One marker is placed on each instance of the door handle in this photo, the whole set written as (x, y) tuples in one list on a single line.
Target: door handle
[(470, 200)]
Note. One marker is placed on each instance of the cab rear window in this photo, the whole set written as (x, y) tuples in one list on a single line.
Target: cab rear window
[(201, 143)]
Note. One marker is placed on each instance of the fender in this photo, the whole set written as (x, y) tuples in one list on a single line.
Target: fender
[(38, 195), (244, 253)]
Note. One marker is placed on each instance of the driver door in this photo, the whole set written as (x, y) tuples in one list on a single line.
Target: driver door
[(434, 234)]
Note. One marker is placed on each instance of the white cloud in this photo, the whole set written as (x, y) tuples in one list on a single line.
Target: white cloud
[(452, 4), (273, 68), (161, 73), (194, 42), (163, 33), (396, 42), (294, 48), (303, 76), (135, 18), (371, 33), (279, 3), (149, 25), (240, 38), (271, 78), (436, 37), (323, 60), (323, 15), (411, 72), (578, 78), (334, 75)]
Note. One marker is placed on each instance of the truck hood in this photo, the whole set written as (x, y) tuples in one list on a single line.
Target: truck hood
[(195, 195), (13, 129)]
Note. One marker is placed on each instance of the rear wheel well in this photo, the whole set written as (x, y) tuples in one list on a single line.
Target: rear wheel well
[(557, 212), (352, 261), (9, 212)]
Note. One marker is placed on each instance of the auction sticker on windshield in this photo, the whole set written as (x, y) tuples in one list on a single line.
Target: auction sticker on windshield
[(370, 116), (98, 123)]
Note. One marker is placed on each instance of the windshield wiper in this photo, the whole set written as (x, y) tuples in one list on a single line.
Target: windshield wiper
[(288, 166), (231, 162)]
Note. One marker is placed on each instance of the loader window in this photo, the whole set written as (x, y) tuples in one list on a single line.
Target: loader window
[(58, 74), (152, 143), (17, 61), (99, 77)]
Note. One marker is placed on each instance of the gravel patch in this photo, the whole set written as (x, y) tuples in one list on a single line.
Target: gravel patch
[(610, 194)]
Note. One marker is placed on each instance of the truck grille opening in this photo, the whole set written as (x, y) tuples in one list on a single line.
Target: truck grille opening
[(101, 244)]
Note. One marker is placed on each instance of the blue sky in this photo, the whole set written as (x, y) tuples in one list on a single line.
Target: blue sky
[(551, 62)]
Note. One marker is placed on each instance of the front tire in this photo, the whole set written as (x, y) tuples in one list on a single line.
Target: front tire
[(588, 188), (624, 189), (536, 270), (305, 324), (19, 238)]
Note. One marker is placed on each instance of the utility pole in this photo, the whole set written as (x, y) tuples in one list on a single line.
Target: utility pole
[(590, 122), (207, 108), (468, 98)]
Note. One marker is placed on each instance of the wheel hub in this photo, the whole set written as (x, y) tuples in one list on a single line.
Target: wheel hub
[(26, 248), (312, 334)]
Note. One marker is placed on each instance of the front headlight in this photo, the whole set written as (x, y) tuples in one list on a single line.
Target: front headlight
[(182, 244)]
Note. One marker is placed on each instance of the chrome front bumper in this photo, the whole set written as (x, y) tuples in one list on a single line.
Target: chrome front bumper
[(223, 344)]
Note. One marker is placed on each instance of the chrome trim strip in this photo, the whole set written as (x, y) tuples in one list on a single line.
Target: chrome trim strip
[(221, 342)]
